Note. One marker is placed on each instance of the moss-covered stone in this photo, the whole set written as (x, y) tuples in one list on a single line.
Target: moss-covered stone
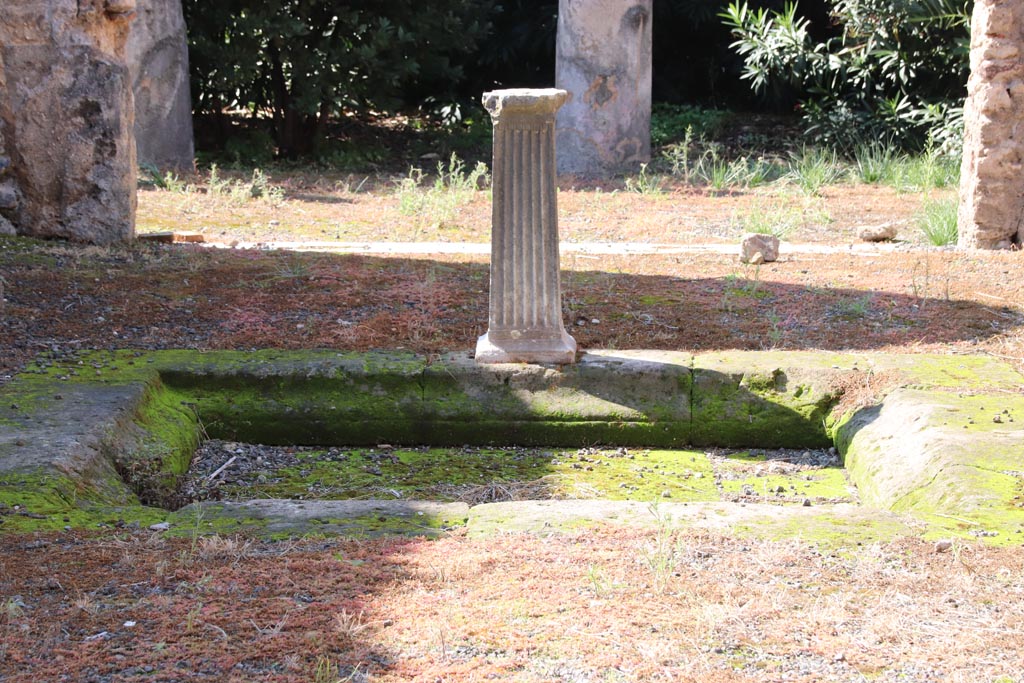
[(279, 518), (70, 428), (829, 527), (480, 474), (742, 400), (957, 461)]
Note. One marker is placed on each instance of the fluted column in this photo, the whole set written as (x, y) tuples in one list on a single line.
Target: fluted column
[(525, 319)]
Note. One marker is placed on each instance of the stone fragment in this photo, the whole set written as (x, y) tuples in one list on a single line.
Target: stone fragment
[(66, 118), (525, 317), (991, 212), (604, 62), (8, 196), (175, 237), (7, 228), (157, 54), (877, 233), (757, 248)]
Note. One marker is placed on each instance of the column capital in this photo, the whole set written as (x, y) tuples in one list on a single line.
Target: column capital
[(524, 101)]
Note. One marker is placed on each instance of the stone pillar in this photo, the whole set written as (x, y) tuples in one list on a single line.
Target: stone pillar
[(66, 119), (525, 318), (991, 214), (604, 61), (157, 55)]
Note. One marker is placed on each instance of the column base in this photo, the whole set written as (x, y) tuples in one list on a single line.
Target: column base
[(556, 348)]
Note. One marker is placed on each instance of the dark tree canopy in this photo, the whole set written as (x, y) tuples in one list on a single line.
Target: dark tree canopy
[(864, 65)]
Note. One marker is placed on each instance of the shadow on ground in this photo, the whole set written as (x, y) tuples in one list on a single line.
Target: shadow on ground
[(63, 297)]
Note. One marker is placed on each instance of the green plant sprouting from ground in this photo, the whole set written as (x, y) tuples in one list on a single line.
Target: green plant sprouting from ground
[(878, 163), (150, 174), (661, 555), (697, 161), (645, 183), (239, 191), (437, 203), (812, 168), (776, 220), (938, 221)]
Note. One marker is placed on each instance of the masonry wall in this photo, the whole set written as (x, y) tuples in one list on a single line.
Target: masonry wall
[(66, 120), (991, 213)]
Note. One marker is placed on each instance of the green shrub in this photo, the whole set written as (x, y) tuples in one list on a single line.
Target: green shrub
[(894, 71)]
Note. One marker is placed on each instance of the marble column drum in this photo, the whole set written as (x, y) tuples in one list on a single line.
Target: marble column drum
[(525, 319)]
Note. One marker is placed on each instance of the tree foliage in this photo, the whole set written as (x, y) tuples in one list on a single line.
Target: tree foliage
[(306, 60), (895, 69)]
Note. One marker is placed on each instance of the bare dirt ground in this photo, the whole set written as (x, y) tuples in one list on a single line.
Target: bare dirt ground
[(612, 605), (605, 605)]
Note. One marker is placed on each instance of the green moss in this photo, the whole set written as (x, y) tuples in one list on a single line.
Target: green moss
[(215, 518), (827, 484), (833, 530), (325, 397), (168, 434), (651, 300), (45, 502), (448, 474)]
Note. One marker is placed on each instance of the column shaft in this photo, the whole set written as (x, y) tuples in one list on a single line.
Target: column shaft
[(525, 319)]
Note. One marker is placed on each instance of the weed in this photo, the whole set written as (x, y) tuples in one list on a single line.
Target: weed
[(218, 547), (645, 183), (678, 156), (437, 204), (324, 671), (151, 175), (750, 287), (876, 162), (292, 269), (927, 171), (772, 219), (348, 626), (753, 172), (661, 555), (12, 608), (241, 191), (853, 309), (346, 186), (598, 582), (812, 168), (776, 333), (272, 630), (87, 603), (260, 187), (937, 220), (216, 185), (712, 169)]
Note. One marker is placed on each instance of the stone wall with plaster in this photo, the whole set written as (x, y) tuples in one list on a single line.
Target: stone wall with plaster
[(157, 55), (991, 214), (66, 120), (604, 62)]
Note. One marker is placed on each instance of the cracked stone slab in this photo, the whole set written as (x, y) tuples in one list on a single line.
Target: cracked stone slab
[(842, 524), (275, 517)]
